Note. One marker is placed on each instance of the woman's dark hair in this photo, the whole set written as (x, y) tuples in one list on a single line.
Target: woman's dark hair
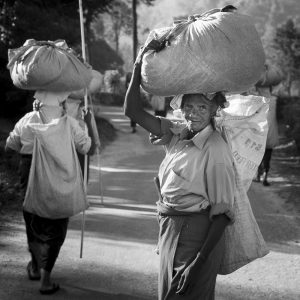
[(219, 99)]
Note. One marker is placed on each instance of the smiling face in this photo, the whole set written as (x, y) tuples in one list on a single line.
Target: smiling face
[(197, 111)]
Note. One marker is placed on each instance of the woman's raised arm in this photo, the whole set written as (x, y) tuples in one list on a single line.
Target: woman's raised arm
[(133, 105)]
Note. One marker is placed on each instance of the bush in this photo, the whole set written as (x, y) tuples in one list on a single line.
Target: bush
[(288, 112), (15, 103)]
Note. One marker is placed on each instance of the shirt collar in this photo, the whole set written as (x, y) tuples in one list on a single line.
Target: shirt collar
[(200, 138)]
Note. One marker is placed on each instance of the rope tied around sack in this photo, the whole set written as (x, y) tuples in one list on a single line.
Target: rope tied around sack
[(180, 25), (16, 54)]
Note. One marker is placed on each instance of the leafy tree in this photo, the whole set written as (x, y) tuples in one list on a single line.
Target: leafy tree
[(47, 19), (134, 24), (112, 24), (287, 42), (120, 18), (40, 20)]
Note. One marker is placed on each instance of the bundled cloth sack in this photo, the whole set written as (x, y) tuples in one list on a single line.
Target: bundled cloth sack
[(94, 86), (216, 51), (270, 77), (47, 65)]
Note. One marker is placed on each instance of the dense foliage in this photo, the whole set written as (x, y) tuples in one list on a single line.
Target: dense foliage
[(287, 42), (41, 20)]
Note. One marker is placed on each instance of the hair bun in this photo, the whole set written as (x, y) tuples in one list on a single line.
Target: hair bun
[(220, 99)]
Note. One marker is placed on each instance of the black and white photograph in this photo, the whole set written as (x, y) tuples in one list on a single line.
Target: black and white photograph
[(150, 149)]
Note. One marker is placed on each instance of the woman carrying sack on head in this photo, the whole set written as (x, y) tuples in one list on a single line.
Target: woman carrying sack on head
[(197, 186), (51, 178)]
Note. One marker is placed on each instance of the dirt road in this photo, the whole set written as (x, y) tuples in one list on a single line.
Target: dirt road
[(121, 231)]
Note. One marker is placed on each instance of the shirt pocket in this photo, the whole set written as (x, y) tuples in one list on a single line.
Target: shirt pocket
[(175, 185)]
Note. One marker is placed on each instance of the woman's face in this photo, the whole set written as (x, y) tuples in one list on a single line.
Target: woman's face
[(197, 112)]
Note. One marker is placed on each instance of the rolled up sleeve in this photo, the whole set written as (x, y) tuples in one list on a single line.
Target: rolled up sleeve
[(220, 189), (14, 139), (81, 139), (168, 129)]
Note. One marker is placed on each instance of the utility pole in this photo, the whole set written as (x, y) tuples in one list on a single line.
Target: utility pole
[(134, 31)]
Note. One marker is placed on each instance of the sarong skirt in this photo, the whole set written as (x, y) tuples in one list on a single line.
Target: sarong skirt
[(45, 238), (180, 239)]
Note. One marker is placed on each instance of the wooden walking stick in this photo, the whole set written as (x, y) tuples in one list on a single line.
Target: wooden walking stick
[(157, 185), (85, 106)]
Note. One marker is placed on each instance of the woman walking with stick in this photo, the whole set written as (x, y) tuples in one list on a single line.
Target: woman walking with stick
[(47, 140)]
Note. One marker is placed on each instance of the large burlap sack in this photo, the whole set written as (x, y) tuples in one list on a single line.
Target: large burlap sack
[(51, 66), (216, 51), (55, 186), (243, 241), (244, 127)]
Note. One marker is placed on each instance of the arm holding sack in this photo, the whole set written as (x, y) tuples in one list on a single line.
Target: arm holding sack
[(88, 122), (215, 233), (133, 105)]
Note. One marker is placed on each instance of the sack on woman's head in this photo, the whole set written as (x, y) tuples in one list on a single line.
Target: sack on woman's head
[(46, 65), (216, 51)]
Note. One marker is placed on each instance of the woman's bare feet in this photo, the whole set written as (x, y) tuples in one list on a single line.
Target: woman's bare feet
[(47, 286), (33, 271)]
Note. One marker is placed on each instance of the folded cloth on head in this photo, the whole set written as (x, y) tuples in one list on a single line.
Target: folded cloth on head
[(51, 98), (177, 100)]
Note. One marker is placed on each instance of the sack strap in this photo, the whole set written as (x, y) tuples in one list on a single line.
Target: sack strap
[(180, 25)]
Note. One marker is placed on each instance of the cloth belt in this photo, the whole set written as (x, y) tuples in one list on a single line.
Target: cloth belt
[(163, 210)]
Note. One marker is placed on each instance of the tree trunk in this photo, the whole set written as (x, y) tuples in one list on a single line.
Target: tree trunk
[(88, 41), (134, 29), (117, 34)]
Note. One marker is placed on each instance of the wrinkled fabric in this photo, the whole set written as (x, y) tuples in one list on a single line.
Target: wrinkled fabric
[(217, 51), (55, 186), (47, 65), (21, 139), (244, 126), (180, 239), (177, 100), (45, 238), (51, 98), (196, 173), (243, 239)]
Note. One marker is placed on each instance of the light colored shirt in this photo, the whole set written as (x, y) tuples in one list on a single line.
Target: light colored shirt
[(198, 172), (21, 139), (74, 109)]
